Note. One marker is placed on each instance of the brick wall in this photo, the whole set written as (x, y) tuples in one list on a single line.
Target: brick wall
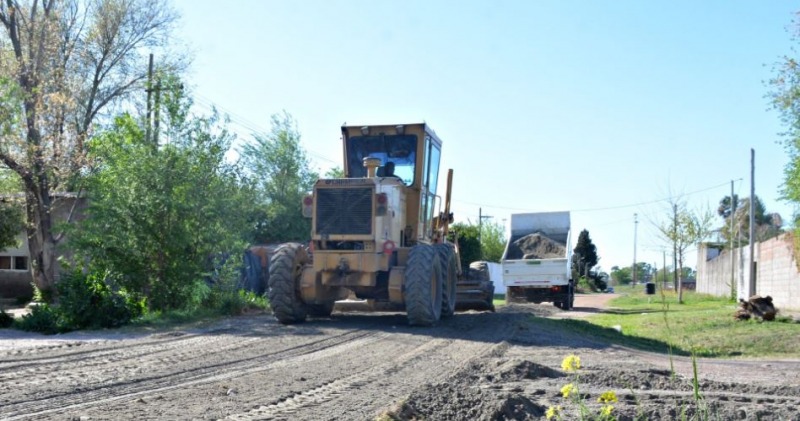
[(776, 271)]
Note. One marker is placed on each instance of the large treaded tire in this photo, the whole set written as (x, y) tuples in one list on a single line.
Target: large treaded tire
[(423, 286), (285, 269), (570, 302), (449, 272)]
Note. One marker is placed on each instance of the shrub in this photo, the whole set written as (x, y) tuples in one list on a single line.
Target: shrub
[(42, 319), (95, 301)]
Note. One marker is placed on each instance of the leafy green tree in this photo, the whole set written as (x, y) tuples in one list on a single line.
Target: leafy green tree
[(785, 98), (64, 64), (280, 166), (683, 229), (585, 254), (11, 223), (493, 241), (335, 172), (768, 224), (158, 216), (621, 276), (469, 244)]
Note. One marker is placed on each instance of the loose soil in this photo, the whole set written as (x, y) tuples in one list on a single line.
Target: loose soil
[(536, 246), (360, 366)]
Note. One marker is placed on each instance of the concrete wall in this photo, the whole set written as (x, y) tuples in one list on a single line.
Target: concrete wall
[(776, 271)]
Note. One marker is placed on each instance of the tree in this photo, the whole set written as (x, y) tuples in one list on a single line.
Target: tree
[(335, 172), (11, 221), (683, 229), (621, 276), (493, 241), (283, 176), (469, 244), (585, 256), (785, 98), (64, 63), (768, 225), (158, 215)]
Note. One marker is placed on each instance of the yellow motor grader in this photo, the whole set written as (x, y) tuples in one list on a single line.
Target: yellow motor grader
[(379, 233)]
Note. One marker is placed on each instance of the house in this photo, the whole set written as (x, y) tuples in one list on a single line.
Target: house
[(16, 279)]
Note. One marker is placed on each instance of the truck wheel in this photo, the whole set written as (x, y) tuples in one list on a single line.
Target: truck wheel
[(490, 296), (320, 310), (568, 304), (449, 272), (285, 269), (423, 286)]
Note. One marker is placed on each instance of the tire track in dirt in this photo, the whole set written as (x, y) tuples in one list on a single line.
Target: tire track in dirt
[(193, 375), (155, 354), (354, 396)]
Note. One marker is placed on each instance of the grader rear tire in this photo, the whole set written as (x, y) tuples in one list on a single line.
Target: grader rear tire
[(285, 269), (449, 272), (423, 285)]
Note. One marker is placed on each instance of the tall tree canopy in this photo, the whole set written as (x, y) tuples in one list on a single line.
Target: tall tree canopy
[(157, 215), (585, 256), (62, 65), (767, 224), (283, 175)]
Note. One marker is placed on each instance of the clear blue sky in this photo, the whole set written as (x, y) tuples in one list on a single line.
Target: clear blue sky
[(602, 108)]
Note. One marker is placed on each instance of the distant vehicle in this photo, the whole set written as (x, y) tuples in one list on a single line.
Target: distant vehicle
[(537, 260)]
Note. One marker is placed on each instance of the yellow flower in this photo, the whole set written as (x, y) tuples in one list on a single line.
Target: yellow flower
[(607, 397), (553, 412), (567, 390), (605, 410), (571, 363)]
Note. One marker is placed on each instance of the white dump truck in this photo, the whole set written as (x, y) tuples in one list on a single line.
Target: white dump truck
[(537, 260)]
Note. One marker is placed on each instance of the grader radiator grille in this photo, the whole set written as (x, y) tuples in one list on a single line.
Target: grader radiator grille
[(344, 211)]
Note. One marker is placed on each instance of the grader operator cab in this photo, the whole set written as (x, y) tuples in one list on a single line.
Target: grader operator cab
[(379, 233)]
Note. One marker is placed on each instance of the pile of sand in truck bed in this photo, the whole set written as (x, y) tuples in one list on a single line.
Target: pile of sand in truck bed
[(536, 246)]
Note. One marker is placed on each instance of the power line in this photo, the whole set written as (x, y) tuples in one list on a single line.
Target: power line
[(603, 208), (253, 127)]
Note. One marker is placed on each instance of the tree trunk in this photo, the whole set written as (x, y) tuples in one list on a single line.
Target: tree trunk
[(41, 242), (680, 280)]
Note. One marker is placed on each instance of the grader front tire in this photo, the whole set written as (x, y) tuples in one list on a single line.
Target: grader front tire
[(423, 286), (285, 269)]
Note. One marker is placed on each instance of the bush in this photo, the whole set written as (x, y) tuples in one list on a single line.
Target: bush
[(225, 294), (42, 319), (94, 301)]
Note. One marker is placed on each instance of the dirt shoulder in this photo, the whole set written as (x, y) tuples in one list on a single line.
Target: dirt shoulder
[(357, 366)]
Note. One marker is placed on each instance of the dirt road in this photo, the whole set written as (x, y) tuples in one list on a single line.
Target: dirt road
[(359, 366)]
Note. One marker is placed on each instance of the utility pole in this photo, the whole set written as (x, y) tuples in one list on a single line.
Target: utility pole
[(481, 217), (730, 238), (635, 233), (157, 117), (675, 246), (752, 222), (149, 91)]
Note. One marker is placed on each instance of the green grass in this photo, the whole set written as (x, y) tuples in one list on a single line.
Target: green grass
[(499, 300), (703, 324)]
